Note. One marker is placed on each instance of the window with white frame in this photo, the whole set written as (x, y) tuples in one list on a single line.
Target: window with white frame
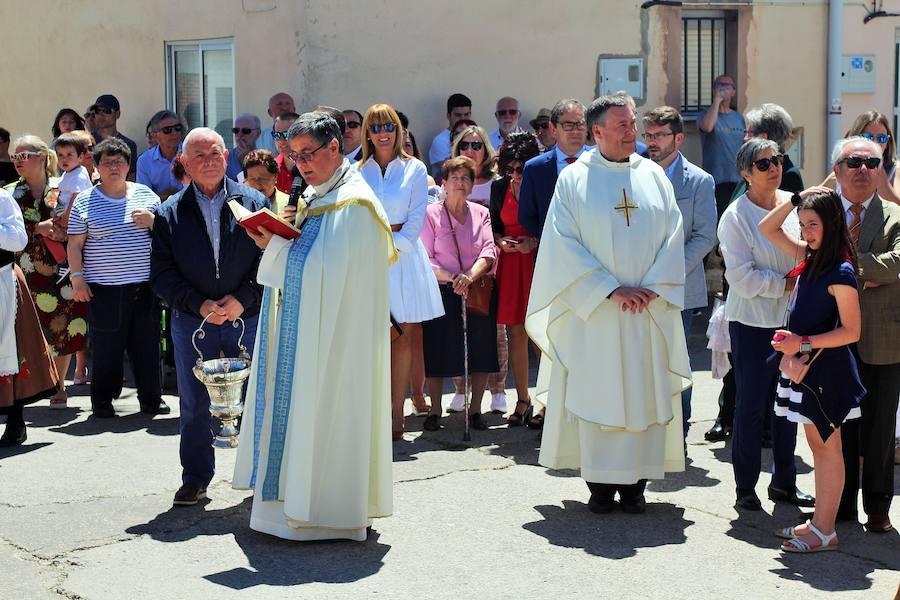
[(200, 83), (703, 46)]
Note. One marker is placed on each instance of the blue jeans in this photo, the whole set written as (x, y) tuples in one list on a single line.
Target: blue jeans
[(756, 379), (198, 461), (687, 317)]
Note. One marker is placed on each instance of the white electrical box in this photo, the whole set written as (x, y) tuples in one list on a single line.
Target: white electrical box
[(858, 74), (616, 74)]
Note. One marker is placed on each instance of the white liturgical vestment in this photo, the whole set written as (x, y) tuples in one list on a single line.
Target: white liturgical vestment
[(611, 380), (315, 444)]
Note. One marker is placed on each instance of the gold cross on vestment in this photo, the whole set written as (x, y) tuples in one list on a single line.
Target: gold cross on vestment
[(626, 208)]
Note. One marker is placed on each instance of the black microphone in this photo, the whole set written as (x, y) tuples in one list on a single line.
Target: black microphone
[(238, 197), (296, 190)]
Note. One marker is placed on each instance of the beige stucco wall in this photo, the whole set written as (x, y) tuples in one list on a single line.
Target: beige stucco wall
[(410, 54)]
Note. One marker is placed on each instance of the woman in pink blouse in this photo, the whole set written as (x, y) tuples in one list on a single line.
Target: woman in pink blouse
[(455, 272)]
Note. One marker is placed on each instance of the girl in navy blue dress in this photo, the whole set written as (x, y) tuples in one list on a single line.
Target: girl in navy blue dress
[(824, 320)]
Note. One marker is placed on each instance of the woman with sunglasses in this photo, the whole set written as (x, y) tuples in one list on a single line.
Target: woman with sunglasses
[(63, 320), (757, 301), (474, 142), (874, 126), (515, 263), (401, 184), (824, 320)]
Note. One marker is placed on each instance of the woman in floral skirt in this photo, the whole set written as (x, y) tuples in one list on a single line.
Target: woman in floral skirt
[(62, 319)]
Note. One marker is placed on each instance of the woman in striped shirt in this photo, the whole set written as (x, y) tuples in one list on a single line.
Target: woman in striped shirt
[(109, 257)]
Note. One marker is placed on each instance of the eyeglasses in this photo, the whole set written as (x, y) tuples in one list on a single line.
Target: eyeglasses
[(573, 125), (763, 164), (23, 156), (517, 170), (377, 127), (88, 115), (881, 138), (104, 110), (542, 125), (652, 137), (113, 164), (510, 112), (855, 162), (476, 146), (305, 157), (353, 124), (244, 130), (170, 128), (280, 135)]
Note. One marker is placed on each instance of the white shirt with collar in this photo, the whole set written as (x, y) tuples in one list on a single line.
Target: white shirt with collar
[(849, 215)]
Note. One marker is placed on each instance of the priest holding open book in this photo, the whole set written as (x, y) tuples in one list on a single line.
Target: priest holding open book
[(315, 443)]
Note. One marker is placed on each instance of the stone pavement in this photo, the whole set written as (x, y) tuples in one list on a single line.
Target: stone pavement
[(86, 513)]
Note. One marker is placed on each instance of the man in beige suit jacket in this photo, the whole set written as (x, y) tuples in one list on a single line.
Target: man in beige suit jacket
[(877, 233)]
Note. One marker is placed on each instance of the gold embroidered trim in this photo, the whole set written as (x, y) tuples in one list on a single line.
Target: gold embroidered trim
[(321, 210)]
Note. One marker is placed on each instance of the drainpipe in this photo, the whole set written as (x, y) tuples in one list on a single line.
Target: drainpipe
[(833, 96)]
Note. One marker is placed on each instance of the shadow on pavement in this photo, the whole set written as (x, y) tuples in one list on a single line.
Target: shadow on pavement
[(616, 535), (126, 423), (692, 476), (273, 561), (23, 449)]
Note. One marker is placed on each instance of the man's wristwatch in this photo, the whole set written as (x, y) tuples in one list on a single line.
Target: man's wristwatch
[(805, 345), (796, 199)]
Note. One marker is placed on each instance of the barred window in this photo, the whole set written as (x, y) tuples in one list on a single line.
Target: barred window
[(704, 57)]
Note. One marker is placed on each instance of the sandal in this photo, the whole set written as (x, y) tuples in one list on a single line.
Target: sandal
[(801, 546), (537, 421), (517, 419), (420, 408)]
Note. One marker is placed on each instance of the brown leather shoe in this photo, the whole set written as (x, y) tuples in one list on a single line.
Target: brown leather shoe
[(879, 524)]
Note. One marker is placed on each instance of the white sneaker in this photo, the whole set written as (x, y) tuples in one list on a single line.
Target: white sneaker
[(458, 404), (498, 403)]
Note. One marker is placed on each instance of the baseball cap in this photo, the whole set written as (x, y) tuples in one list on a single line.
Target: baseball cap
[(543, 113), (107, 101)]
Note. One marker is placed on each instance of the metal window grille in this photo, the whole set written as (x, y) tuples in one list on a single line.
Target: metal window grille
[(703, 58)]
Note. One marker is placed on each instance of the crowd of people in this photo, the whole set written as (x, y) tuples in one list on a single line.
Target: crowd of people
[(499, 260)]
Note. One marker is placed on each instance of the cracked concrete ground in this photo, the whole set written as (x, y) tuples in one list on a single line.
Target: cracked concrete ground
[(86, 513)]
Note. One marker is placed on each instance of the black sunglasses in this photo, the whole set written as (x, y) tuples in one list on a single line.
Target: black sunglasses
[(542, 125), (353, 124), (476, 146), (244, 130), (171, 128), (104, 110), (517, 170), (280, 135), (763, 164), (855, 162)]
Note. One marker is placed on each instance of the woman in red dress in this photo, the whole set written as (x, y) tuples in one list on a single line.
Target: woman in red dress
[(515, 265)]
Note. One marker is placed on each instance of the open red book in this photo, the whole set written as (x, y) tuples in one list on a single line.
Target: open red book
[(262, 218)]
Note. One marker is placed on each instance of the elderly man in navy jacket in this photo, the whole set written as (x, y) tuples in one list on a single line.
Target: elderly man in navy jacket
[(204, 266), (540, 173), (695, 192)]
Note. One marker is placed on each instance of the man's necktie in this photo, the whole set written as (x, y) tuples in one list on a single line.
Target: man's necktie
[(571, 159), (856, 222)]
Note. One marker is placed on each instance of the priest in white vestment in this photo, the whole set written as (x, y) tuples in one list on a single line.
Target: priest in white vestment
[(605, 309), (315, 444)]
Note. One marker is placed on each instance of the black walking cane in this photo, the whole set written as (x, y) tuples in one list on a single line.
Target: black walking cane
[(466, 436)]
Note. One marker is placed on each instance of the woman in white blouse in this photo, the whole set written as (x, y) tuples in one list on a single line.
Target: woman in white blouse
[(756, 306), (401, 184)]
